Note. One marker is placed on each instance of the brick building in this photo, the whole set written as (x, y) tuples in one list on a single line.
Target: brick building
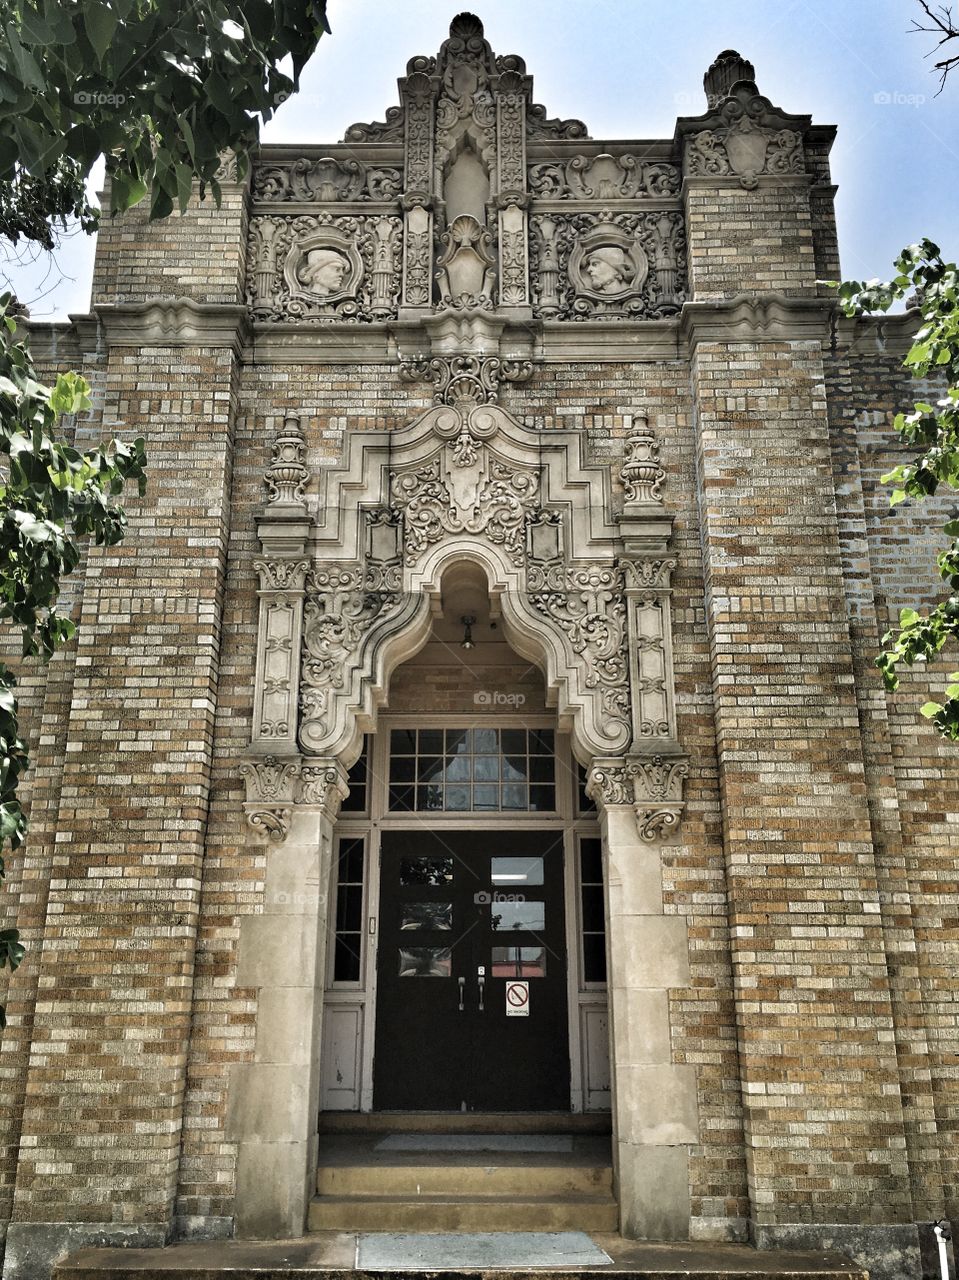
[(495, 639)]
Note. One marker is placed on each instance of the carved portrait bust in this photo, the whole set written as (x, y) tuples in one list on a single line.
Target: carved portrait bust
[(323, 272), (608, 270)]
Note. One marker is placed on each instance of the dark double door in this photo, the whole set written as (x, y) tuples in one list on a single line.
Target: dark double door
[(468, 921)]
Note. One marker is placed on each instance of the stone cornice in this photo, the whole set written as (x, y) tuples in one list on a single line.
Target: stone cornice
[(769, 317), (544, 341), (877, 335), (731, 182), (174, 322)]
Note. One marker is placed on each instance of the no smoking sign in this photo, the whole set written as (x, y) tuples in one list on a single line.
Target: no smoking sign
[(517, 999)]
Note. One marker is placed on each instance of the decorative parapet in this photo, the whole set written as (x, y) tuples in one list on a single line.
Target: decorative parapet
[(276, 784), (743, 137), (652, 785)]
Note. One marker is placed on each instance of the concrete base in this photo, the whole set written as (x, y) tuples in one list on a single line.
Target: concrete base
[(332, 1257), (886, 1252), (35, 1248)]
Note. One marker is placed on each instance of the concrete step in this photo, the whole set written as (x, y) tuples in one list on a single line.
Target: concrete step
[(459, 1179), (463, 1122), (463, 1213)]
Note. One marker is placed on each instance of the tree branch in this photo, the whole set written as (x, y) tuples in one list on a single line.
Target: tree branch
[(944, 26)]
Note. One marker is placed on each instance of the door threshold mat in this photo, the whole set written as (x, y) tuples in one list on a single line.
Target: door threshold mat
[(476, 1142), (501, 1250)]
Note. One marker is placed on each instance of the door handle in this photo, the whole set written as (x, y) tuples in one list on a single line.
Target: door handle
[(462, 982), (482, 994)]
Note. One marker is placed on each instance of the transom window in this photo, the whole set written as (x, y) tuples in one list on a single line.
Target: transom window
[(478, 770)]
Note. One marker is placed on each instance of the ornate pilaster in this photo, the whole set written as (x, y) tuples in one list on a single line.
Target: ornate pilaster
[(282, 528), (418, 93), (657, 768), (512, 197)]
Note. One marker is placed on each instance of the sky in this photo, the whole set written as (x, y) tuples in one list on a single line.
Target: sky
[(628, 68)]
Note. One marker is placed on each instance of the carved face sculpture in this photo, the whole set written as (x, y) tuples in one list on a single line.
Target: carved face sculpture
[(324, 271), (608, 269)]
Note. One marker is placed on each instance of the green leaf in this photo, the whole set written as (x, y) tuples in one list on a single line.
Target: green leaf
[(930, 709), (100, 24)]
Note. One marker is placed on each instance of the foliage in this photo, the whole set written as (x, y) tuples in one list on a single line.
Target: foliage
[(160, 87), (933, 429), (51, 495)]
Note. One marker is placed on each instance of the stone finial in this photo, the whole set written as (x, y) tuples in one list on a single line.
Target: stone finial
[(287, 476), (728, 69), (466, 26), (641, 472)]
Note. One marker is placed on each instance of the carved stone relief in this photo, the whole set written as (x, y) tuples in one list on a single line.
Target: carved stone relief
[(467, 379), (604, 178), (321, 267), (539, 125), (467, 268), (326, 180), (747, 137), (464, 489), (588, 603), (340, 607), (651, 785), (614, 266), (585, 594)]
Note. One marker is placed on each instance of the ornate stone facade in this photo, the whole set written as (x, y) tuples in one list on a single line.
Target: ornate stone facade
[(600, 378)]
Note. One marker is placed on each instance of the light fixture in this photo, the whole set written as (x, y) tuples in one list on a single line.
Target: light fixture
[(467, 642)]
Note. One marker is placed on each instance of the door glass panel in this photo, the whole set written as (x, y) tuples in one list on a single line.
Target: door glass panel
[(519, 962), (486, 770), (426, 870), (426, 915), (518, 915), (426, 962), (514, 872)]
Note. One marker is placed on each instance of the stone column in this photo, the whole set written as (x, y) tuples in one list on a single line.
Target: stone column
[(274, 1100), (654, 1099)]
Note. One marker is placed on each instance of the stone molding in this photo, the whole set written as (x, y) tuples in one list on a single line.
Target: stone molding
[(768, 317), (174, 322)]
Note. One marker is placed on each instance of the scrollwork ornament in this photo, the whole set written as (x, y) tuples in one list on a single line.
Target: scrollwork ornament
[(608, 783), (656, 824), (272, 823), (324, 785), (281, 575), (747, 138)]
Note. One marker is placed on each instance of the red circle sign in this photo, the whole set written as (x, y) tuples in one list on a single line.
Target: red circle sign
[(517, 993)]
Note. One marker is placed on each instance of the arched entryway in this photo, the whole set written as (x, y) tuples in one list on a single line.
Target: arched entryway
[(467, 859), (350, 583)]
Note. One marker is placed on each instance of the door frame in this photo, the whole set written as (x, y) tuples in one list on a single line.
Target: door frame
[(361, 996)]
